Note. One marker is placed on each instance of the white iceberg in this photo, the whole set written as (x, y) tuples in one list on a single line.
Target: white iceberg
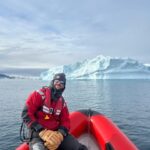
[(101, 67)]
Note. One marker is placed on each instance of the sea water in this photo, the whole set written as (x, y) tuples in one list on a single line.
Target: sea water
[(126, 102)]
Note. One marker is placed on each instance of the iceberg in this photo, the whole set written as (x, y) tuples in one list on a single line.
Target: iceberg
[(101, 67)]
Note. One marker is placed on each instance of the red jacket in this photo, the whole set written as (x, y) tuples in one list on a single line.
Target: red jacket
[(41, 112)]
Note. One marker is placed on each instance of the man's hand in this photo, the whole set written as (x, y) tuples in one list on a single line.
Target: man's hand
[(44, 134), (52, 138)]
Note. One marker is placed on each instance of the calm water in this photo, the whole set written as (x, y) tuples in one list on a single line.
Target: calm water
[(126, 102)]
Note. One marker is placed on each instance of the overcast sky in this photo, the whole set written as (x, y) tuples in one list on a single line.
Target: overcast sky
[(45, 33)]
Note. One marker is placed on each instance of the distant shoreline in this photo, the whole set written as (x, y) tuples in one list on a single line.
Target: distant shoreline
[(22, 72)]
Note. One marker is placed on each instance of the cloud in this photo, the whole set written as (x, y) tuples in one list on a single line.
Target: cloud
[(50, 33)]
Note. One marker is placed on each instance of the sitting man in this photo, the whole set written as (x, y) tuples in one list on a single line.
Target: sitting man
[(47, 117)]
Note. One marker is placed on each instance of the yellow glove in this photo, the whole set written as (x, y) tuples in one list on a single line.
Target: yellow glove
[(45, 134), (55, 137), (52, 138)]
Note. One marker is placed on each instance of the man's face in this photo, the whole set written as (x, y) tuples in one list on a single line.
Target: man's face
[(59, 84)]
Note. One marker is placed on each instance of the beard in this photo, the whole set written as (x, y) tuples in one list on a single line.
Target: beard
[(56, 93)]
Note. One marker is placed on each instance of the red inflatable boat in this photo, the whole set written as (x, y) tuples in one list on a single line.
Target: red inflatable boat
[(96, 131)]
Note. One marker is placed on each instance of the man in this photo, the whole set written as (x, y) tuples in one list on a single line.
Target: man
[(47, 117)]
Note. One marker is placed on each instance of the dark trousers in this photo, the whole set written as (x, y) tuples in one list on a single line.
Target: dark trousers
[(71, 143)]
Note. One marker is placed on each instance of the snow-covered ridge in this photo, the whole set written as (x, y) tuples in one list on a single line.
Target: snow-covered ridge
[(2, 76), (5, 76), (101, 67), (21, 73)]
